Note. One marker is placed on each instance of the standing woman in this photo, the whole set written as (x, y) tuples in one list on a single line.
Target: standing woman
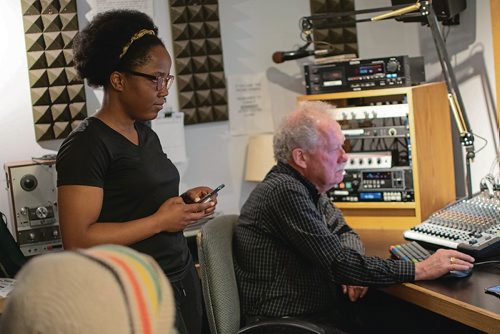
[(115, 184)]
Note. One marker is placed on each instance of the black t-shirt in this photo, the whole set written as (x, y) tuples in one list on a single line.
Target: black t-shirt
[(136, 180)]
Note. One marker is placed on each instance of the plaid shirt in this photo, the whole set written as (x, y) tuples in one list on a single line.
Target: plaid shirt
[(292, 248)]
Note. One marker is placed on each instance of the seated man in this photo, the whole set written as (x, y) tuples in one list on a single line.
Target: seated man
[(293, 248)]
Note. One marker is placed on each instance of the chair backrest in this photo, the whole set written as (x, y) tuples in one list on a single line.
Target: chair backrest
[(218, 280)]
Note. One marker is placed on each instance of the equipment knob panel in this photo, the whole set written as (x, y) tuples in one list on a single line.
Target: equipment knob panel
[(42, 212), (392, 132), (392, 66), (29, 182)]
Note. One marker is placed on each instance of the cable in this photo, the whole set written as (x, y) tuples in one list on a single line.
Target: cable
[(3, 271), (494, 164), (330, 46), (486, 262), (305, 26), (44, 158), (4, 217), (482, 147), (448, 28)]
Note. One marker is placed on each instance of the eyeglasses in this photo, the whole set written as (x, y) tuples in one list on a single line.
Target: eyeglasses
[(162, 81)]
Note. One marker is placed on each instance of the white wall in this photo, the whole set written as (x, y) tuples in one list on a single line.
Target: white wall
[(251, 32), (17, 135), (470, 49)]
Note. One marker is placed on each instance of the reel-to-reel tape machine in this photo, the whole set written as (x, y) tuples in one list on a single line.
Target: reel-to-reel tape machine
[(33, 203)]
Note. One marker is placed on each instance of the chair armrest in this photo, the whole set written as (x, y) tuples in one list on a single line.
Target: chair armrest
[(283, 323)]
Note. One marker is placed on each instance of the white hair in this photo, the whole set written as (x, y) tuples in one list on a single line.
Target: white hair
[(299, 129)]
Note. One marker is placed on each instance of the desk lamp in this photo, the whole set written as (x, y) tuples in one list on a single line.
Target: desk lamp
[(260, 157)]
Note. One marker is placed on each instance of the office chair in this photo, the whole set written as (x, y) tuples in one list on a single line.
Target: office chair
[(220, 289), (11, 257)]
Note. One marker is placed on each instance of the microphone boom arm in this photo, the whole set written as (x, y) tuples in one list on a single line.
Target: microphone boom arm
[(454, 97)]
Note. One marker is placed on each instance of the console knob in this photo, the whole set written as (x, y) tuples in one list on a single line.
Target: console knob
[(392, 132), (23, 211), (28, 182), (32, 236), (392, 66)]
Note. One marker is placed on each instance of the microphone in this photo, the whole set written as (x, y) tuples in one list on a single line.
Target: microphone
[(282, 56)]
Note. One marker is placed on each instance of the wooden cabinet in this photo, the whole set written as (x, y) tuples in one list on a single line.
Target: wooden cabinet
[(429, 146)]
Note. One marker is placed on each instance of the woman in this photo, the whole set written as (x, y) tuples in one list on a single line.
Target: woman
[(115, 184)]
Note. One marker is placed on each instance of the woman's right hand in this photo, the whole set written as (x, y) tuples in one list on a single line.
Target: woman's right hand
[(174, 215)]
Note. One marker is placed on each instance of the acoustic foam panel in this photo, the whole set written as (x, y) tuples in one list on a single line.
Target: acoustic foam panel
[(198, 60), (336, 34), (57, 95)]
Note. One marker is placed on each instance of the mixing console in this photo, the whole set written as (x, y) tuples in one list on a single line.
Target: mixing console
[(470, 225)]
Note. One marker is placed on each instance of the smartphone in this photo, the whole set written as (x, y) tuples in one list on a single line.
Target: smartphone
[(494, 290), (206, 198)]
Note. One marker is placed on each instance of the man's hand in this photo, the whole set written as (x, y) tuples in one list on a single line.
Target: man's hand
[(354, 292), (442, 262)]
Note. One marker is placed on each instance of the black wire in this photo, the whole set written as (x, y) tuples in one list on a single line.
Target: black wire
[(445, 34), (485, 143), (4, 217), (45, 157)]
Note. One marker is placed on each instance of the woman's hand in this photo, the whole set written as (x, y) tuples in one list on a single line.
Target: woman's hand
[(195, 194), (174, 214)]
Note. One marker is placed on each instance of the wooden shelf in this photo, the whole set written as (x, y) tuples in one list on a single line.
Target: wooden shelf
[(431, 156), (361, 93), (377, 205)]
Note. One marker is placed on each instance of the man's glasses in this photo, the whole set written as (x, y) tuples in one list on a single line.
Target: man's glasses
[(162, 81)]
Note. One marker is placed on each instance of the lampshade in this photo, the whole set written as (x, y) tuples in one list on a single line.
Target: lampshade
[(260, 157)]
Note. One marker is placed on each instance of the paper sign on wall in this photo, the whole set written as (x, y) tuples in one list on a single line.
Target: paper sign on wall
[(249, 104), (99, 6), (170, 130)]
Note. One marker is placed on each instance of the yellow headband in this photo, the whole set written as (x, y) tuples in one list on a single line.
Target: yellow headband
[(136, 36)]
